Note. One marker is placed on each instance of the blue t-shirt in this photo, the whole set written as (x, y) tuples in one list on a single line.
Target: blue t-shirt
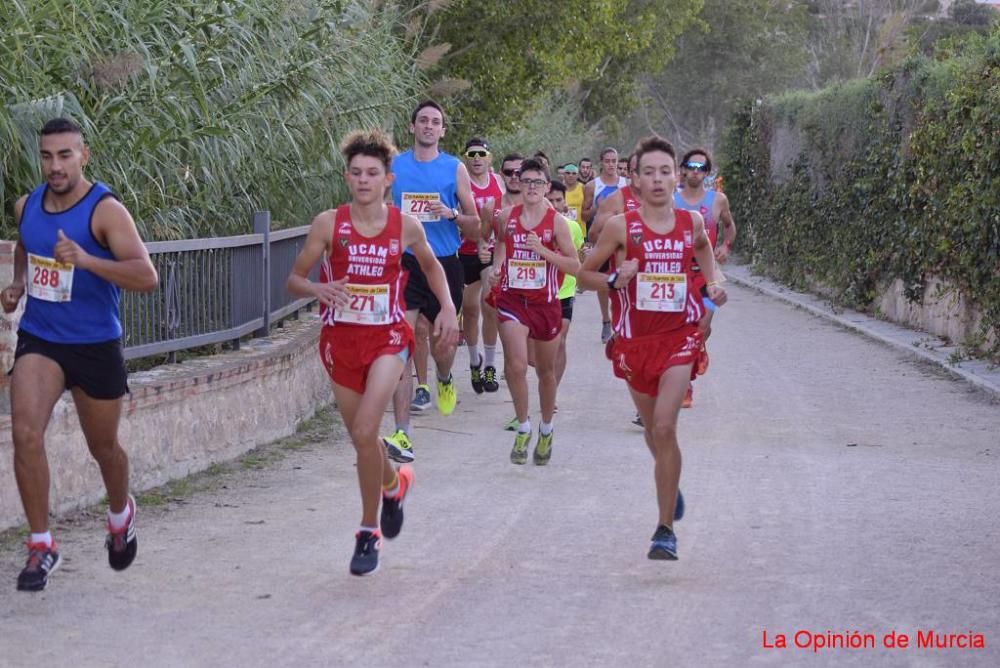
[(417, 185)]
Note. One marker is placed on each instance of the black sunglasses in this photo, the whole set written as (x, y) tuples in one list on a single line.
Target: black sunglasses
[(510, 172), (696, 166)]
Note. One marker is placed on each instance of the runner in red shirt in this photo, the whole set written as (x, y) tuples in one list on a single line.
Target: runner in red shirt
[(366, 339), (534, 248), (487, 190), (655, 315)]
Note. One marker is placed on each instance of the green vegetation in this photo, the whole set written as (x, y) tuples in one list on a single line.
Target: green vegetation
[(200, 111), (876, 179)]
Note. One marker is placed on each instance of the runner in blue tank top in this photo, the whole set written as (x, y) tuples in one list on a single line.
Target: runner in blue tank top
[(433, 187), (714, 208), (78, 248)]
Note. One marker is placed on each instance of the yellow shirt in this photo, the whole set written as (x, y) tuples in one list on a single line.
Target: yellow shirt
[(568, 287), (574, 200)]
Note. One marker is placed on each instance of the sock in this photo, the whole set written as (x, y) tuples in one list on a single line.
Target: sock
[(545, 428), (45, 538), (490, 355), (474, 359), (368, 529), (118, 520), (391, 489), (444, 380), (405, 428), (524, 427)]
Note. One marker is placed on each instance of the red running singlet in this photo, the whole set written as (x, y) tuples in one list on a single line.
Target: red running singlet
[(660, 298), (628, 197), (481, 196), (525, 274), (373, 265)]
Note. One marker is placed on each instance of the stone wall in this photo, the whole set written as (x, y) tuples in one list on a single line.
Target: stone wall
[(943, 312), (179, 418)]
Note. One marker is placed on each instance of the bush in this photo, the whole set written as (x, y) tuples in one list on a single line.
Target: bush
[(874, 180), (200, 111)]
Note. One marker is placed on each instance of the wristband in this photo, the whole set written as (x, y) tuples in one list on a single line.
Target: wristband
[(713, 284)]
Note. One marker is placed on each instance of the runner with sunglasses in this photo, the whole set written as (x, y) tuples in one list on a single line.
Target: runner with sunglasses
[(366, 336), (714, 209), (656, 335), (602, 187), (433, 187), (486, 189), (534, 248)]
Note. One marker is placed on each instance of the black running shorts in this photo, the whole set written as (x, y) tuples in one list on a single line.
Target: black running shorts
[(418, 294), (96, 368)]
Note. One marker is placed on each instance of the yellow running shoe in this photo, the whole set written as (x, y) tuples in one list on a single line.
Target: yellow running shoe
[(447, 396), (543, 449), (399, 447), (519, 455)]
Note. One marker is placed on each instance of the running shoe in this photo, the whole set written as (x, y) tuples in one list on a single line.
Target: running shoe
[(399, 447), (664, 545), (365, 559), (447, 397), (122, 544), (490, 383), (478, 384), (421, 399), (605, 332), (392, 506), (43, 560), (638, 421), (519, 454), (702, 365), (679, 507), (543, 449), (512, 425), (688, 397)]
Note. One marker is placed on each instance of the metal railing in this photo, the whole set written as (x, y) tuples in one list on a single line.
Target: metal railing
[(214, 290)]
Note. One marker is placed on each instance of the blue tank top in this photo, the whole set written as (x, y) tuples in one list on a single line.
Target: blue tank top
[(416, 185), (90, 312), (704, 207)]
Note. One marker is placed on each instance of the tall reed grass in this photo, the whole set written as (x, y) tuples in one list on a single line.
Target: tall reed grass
[(200, 111)]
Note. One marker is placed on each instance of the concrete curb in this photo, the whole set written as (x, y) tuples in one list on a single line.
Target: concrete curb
[(918, 344)]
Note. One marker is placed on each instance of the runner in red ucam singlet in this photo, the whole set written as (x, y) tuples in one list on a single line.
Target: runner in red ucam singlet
[(534, 248), (366, 339), (655, 315)]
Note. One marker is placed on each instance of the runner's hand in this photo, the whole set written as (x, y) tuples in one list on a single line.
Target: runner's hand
[(485, 254), (68, 251), (446, 328), (627, 271), (492, 278), (441, 211), (535, 243), (722, 253), (10, 297), (717, 294), (333, 294)]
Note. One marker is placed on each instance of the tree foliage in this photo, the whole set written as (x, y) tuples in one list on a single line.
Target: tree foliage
[(513, 54)]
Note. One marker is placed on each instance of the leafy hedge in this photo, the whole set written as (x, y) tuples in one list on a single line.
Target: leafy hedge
[(877, 179), (199, 111)]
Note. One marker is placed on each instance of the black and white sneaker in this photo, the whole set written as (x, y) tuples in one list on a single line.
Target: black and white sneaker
[(122, 544), (391, 518), (43, 560), (365, 559), (476, 373)]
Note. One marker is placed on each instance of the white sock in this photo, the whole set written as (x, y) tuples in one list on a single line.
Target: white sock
[(545, 428), (369, 529), (118, 520), (490, 355), (474, 358), (44, 538), (524, 427)]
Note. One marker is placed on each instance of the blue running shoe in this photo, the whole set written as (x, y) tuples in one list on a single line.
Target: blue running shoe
[(679, 508), (664, 546)]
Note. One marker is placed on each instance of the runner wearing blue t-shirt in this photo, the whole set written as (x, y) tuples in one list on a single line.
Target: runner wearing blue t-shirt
[(434, 187)]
